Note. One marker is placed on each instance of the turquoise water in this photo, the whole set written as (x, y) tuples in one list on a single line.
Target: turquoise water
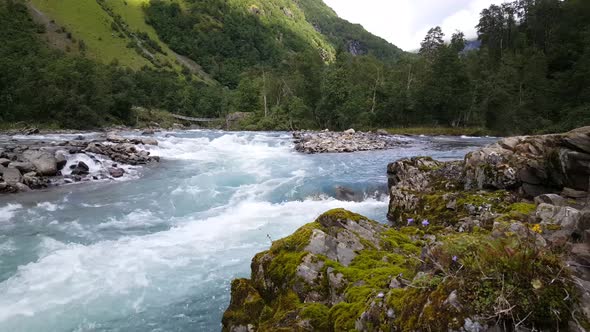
[(157, 251)]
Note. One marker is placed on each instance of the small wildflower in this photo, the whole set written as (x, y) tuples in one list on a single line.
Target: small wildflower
[(410, 221), (425, 222), (537, 229), (455, 258)]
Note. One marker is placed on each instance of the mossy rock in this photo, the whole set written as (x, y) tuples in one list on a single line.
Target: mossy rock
[(403, 281)]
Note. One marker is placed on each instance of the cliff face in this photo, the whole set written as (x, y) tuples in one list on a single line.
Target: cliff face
[(469, 250)]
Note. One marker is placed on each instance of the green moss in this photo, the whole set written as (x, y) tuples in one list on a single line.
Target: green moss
[(478, 268), (552, 227), (334, 215), (295, 242), (444, 208), (246, 303), (318, 316), (523, 208), (344, 315)]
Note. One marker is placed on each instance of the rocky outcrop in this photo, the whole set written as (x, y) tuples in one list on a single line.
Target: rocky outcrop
[(345, 272), (338, 142), (468, 249), (37, 165), (534, 165), (125, 153)]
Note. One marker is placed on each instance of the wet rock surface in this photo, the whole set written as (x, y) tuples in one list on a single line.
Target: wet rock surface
[(339, 142), (469, 248), (27, 164)]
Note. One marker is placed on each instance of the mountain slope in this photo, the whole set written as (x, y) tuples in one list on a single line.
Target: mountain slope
[(107, 31), (228, 37), (350, 37), (225, 37)]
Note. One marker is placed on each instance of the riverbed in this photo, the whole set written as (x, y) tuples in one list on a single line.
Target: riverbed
[(157, 251)]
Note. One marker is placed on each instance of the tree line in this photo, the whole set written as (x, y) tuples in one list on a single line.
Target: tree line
[(530, 75)]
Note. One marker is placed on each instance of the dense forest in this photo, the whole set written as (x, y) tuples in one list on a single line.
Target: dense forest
[(531, 73)]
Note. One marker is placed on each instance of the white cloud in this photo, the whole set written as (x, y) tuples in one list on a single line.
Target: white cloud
[(405, 22)]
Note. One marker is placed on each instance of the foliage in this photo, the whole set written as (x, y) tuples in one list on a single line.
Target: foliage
[(38, 84), (296, 65)]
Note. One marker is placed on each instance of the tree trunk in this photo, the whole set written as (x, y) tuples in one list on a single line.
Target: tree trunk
[(264, 93)]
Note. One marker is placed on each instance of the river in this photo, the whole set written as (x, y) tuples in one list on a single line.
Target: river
[(157, 250)]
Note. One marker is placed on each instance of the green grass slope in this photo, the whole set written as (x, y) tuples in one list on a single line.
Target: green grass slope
[(113, 30)]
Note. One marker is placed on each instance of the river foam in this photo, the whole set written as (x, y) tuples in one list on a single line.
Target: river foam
[(159, 253)]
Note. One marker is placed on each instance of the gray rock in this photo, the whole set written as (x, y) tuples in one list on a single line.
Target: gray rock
[(336, 142), (4, 162), (116, 172), (80, 169), (22, 187), (350, 131), (310, 269), (568, 218), (148, 132), (347, 194), (12, 176), (61, 160), (44, 162), (336, 285), (572, 193), (115, 138), (149, 141), (552, 199), (24, 167)]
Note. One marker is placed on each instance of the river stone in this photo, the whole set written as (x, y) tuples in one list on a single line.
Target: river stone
[(81, 169), (12, 176), (116, 172), (24, 167), (44, 162), (115, 138), (149, 141), (347, 194), (61, 160), (148, 132), (4, 162), (350, 131)]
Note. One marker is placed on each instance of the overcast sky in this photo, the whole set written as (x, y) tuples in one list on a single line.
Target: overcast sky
[(406, 22)]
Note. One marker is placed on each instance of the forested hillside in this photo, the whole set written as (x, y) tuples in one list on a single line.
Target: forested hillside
[(291, 65)]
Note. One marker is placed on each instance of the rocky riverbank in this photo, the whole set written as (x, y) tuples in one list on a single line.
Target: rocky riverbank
[(338, 142), (497, 242), (29, 164)]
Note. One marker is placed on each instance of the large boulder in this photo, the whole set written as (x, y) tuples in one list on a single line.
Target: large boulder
[(45, 162), (534, 165)]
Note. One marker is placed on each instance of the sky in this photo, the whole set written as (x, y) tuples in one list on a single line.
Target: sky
[(406, 22)]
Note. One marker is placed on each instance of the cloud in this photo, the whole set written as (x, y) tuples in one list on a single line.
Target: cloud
[(406, 22)]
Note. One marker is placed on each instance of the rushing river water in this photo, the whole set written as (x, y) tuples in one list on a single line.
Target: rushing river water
[(158, 252)]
